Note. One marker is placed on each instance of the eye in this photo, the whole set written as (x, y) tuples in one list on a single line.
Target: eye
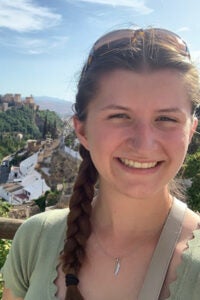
[(119, 116), (166, 119)]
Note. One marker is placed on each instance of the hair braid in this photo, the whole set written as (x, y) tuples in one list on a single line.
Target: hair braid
[(78, 221)]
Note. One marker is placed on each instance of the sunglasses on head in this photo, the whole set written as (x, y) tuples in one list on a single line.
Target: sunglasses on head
[(124, 38)]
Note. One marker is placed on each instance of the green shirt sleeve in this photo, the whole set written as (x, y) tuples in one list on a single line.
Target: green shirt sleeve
[(18, 266), (34, 253)]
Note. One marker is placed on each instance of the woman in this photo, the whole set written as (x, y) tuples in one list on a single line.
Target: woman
[(128, 237)]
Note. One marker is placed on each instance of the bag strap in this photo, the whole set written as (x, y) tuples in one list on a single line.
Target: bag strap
[(162, 255)]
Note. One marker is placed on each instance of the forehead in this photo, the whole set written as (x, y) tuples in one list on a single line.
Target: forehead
[(161, 87)]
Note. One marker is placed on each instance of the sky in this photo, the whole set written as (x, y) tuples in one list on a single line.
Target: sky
[(44, 43)]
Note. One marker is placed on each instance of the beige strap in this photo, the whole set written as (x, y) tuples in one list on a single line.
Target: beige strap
[(163, 253)]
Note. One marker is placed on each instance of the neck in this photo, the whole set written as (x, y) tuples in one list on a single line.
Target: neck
[(124, 217)]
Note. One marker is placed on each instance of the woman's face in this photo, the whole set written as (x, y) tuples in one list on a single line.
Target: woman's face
[(137, 130)]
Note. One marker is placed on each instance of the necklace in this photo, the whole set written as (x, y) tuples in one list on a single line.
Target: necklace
[(117, 266), (117, 260)]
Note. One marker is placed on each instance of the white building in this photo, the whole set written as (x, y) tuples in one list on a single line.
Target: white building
[(14, 175), (8, 192), (34, 185), (28, 165), (25, 183)]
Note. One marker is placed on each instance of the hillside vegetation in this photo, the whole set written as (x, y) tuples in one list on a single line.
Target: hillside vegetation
[(28, 122)]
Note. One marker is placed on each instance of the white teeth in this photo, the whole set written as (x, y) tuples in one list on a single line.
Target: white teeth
[(137, 165)]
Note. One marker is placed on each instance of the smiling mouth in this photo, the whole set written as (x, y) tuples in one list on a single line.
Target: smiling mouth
[(138, 165)]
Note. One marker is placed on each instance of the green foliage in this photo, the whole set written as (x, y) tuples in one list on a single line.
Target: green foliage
[(191, 170), (70, 141), (49, 124), (1, 286), (4, 244), (192, 165), (18, 157), (50, 198), (28, 122), (4, 249), (195, 143), (19, 120), (9, 143), (4, 208), (193, 193), (41, 203)]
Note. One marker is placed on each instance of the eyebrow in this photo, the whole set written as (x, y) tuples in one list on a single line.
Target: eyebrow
[(169, 110), (114, 106), (163, 110)]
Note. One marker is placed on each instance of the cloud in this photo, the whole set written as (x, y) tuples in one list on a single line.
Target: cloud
[(34, 46), (137, 5), (26, 16), (183, 29)]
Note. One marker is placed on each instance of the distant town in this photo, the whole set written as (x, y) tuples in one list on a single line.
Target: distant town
[(42, 164), (9, 100)]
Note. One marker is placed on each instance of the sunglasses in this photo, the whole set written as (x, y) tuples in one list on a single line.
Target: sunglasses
[(125, 38)]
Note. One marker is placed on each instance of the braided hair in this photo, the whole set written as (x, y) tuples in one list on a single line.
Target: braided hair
[(78, 221)]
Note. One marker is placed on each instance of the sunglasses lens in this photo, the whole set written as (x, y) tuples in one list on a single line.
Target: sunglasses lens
[(117, 35), (120, 39), (173, 39)]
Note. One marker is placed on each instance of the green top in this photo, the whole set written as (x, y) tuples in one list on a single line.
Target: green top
[(30, 269)]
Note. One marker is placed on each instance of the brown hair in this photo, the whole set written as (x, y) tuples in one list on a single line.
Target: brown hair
[(138, 50)]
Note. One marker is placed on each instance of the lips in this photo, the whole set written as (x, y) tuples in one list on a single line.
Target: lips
[(138, 165)]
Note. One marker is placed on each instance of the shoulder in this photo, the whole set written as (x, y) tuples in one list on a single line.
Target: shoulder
[(191, 230), (191, 241), (39, 230), (193, 226), (38, 236), (50, 216), (50, 219), (184, 272), (189, 270), (187, 253), (191, 221)]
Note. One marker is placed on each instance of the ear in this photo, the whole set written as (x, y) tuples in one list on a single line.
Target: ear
[(193, 127), (80, 131)]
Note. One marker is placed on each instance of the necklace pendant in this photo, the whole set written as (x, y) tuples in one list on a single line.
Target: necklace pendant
[(117, 266)]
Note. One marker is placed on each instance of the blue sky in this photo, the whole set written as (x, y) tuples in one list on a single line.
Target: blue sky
[(43, 43)]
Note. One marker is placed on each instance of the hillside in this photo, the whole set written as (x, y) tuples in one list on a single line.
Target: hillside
[(30, 124), (60, 106), (27, 121)]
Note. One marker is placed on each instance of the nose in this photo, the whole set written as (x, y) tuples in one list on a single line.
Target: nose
[(143, 138)]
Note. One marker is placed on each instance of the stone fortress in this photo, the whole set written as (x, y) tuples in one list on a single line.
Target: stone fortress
[(15, 100)]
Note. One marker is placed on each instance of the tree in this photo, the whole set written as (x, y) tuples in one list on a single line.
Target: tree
[(193, 193), (191, 170), (54, 130), (195, 143), (44, 132)]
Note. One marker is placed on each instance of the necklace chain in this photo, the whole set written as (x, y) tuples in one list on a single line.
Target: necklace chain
[(117, 259)]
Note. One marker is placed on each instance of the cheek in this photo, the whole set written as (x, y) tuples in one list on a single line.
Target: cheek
[(102, 137), (102, 143), (179, 143)]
